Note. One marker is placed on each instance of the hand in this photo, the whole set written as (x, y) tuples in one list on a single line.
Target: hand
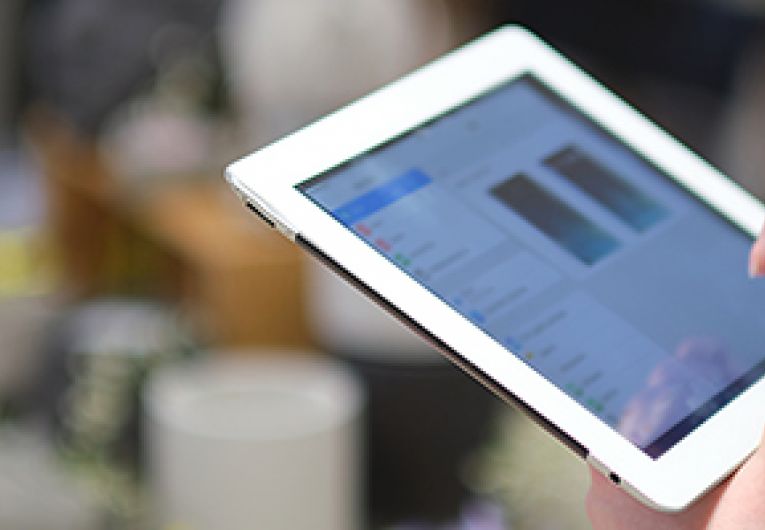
[(736, 504), (757, 257)]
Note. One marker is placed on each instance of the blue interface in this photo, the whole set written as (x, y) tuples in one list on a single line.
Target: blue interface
[(581, 258)]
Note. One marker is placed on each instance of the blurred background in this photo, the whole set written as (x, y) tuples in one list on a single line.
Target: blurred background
[(166, 362)]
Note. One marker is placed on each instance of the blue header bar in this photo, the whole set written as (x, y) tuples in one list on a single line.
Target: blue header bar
[(382, 196)]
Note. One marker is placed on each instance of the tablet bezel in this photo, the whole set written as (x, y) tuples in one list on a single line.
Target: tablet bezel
[(268, 179)]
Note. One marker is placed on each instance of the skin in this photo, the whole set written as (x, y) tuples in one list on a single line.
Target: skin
[(736, 504), (757, 258)]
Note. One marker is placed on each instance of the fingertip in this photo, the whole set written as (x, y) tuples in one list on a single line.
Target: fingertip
[(755, 266), (757, 258)]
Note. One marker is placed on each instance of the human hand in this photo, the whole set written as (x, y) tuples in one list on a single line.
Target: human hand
[(757, 257), (736, 504)]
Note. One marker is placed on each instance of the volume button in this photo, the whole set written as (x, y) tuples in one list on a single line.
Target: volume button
[(286, 231), (273, 221), (260, 214)]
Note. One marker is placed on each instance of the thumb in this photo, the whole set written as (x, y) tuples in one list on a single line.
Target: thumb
[(757, 257)]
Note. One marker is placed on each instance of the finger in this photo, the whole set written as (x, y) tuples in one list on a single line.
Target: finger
[(757, 257)]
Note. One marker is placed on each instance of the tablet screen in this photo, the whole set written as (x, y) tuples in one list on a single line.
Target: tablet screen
[(572, 251)]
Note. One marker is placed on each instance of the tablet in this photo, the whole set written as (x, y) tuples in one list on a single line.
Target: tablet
[(551, 241)]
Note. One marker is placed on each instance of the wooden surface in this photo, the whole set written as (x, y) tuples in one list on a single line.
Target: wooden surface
[(189, 241)]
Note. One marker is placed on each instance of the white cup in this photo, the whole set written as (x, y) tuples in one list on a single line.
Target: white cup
[(255, 444)]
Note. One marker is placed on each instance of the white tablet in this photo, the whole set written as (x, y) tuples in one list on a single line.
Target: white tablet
[(554, 243)]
